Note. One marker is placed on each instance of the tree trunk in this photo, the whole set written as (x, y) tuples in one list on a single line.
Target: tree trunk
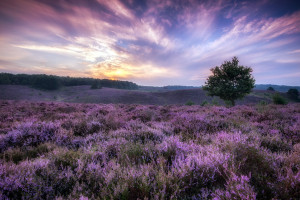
[(232, 102)]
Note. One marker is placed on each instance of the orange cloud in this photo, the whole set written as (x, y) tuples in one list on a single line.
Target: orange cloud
[(122, 70)]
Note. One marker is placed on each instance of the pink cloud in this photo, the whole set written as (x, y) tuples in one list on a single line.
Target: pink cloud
[(184, 36)]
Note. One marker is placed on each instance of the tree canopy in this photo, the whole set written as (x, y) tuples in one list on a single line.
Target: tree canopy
[(230, 81), (270, 89), (50, 82)]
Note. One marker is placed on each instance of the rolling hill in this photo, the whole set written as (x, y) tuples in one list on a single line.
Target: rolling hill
[(83, 94)]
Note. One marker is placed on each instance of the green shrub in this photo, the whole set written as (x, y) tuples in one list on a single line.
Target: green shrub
[(262, 103), (204, 103), (135, 153), (189, 103), (228, 103), (278, 99), (138, 154), (17, 155), (128, 185), (66, 158), (215, 102), (293, 94), (270, 89)]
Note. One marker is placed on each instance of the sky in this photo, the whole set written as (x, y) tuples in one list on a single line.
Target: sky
[(151, 42)]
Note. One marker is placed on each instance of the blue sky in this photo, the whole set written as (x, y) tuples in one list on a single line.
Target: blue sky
[(151, 42)]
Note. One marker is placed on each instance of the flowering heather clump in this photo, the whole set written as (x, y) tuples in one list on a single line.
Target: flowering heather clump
[(237, 187), (92, 151)]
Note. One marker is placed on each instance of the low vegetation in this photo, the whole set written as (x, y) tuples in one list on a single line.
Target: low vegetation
[(293, 94), (92, 151), (278, 99)]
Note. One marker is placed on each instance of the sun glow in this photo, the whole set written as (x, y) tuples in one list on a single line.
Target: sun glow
[(122, 70)]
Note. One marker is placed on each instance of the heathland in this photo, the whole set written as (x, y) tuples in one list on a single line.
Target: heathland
[(145, 95), (55, 150)]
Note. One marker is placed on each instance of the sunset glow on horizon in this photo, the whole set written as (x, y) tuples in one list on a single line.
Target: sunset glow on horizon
[(151, 42)]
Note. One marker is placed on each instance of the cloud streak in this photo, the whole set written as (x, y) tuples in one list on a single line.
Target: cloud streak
[(166, 42)]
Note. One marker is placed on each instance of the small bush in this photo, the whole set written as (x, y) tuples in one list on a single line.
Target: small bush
[(293, 94), (189, 103), (17, 155), (138, 154), (278, 99), (204, 103), (215, 102), (270, 89), (262, 103), (66, 158), (228, 103)]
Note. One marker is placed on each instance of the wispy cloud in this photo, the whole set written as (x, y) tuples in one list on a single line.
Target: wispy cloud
[(143, 40), (295, 51)]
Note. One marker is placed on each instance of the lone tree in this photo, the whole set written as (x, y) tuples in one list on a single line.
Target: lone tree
[(270, 89), (230, 81)]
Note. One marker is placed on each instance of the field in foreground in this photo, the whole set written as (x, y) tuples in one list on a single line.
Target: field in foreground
[(89, 151)]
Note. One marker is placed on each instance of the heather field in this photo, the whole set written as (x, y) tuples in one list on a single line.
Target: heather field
[(83, 94), (116, 151)]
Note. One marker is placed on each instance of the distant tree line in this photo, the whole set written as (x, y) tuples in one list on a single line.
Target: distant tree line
[(278, 88), (50, 82), (292, 94)]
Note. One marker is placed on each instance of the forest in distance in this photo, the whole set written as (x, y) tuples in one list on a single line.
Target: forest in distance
[(51, 82)]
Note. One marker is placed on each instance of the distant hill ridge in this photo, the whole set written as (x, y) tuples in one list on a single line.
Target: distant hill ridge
[(51, 82), (84, 94), (279, 88)]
